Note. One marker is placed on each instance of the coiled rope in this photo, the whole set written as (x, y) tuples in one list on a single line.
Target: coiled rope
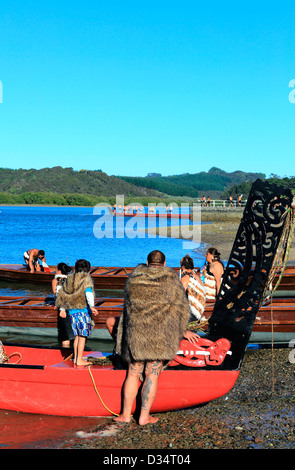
[(280, 261), (279, 266), (4, 358)]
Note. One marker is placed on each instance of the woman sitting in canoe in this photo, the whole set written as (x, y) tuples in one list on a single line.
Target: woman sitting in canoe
[(193, 287), (212, 272)]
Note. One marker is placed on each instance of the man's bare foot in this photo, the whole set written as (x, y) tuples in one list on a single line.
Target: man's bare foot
[(147, 420), (122, 419)]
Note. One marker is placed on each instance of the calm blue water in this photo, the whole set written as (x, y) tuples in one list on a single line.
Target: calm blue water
[(67, 234)]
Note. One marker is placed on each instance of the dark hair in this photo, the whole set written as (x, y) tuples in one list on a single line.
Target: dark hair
[(156, 257), (213, 251), (187, 262), (64, 268), (41, 253), (82, 266)]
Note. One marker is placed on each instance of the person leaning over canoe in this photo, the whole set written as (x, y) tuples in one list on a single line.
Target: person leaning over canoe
[(77, 298), (153, 322), (31, 258)]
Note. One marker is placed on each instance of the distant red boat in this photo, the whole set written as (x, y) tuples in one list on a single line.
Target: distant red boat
[(154, 215)]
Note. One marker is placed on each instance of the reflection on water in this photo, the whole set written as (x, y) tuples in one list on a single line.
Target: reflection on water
[(25, 431)]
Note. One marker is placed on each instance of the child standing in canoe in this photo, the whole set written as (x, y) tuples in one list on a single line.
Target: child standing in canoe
[(77, 297)]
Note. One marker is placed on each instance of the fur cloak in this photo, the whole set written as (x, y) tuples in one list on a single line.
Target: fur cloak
[(155, 315), (72, 293)]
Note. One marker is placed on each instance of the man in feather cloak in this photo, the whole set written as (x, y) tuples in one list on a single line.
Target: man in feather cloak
[(153, 322)]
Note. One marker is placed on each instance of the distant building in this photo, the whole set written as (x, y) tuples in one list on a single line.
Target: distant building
[(154, 175)]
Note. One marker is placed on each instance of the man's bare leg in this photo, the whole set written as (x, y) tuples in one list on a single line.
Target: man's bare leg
[(130, 390), (149, 391)]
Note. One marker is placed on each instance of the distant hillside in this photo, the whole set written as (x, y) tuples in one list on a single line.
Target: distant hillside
[(213, 183), (245, 187), (65, 180), (64, 186)]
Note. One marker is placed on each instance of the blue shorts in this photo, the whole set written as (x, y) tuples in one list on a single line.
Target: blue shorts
[(81, 322)]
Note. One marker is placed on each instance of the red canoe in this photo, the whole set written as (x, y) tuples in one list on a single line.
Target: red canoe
[(44, 382)]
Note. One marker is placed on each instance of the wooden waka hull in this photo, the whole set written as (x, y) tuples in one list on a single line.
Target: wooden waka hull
[(103, 277), (44, 382), (106, 277), (40, 312)]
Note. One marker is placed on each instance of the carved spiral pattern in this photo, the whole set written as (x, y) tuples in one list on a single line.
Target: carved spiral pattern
[(250, 263)]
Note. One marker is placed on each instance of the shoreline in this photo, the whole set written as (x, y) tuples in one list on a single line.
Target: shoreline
[(219, 229), (221, 234)]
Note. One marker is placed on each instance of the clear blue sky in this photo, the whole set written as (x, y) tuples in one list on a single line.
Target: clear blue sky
[(132, 87)]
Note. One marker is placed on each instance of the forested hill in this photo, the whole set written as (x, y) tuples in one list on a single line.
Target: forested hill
[(60, 180), (213, 183), (59, 185)]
